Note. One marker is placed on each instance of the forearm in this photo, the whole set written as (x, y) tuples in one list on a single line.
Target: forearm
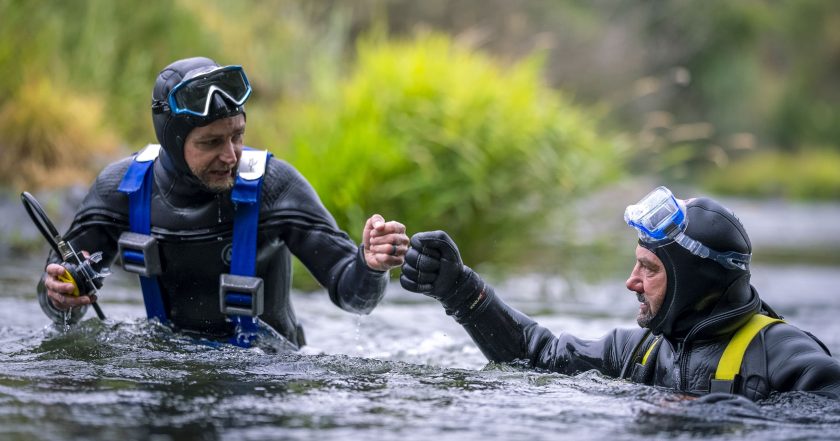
[(359, 289), (338, 265), (496, 328), (504, 334)]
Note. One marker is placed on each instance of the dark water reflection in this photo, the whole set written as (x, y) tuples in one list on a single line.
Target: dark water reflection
[(405, 372)]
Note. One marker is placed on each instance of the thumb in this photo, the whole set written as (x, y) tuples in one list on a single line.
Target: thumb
[(55, 269), (369, 226)]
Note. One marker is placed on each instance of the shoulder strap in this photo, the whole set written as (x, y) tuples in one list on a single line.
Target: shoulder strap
[(137, 183), (730, 362), (650, 349), (733, 355), (246, 198)]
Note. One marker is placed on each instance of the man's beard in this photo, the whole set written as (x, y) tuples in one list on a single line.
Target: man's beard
[(644, 318), (214, 183)]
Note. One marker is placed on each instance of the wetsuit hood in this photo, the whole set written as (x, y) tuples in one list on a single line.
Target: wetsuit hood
[(699, 288), (172, 130)]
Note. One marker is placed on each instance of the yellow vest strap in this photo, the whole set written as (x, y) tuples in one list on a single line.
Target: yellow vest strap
[(650, 349), (733, 355)]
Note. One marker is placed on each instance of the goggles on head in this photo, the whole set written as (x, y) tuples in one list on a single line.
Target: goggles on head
[(193, 95), (660, 216)]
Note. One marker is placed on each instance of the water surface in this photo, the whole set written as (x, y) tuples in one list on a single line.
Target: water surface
[(405, 372)]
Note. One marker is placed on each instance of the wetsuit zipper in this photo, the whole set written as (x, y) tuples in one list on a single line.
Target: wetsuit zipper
[(683, 347)]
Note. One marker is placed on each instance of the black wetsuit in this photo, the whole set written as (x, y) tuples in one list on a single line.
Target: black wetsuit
[(194, 231), (780, 358), (704, 304)]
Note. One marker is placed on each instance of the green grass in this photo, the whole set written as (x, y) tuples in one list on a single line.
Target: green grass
[(813, 175)]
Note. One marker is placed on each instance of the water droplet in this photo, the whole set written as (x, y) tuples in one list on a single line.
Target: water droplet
[(359, 346), (66, 316)]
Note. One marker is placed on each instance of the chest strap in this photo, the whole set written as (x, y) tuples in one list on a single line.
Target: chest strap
[(138, 249), (241, 292), (727, 374)]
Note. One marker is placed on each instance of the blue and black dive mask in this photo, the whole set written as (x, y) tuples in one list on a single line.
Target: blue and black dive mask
[(660, 217), (194, 94)]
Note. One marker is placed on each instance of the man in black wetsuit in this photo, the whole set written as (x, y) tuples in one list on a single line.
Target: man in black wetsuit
[(199, 120), (692, 280)]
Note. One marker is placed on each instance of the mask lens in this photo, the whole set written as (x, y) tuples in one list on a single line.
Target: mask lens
[(656, 216), (234, 84)]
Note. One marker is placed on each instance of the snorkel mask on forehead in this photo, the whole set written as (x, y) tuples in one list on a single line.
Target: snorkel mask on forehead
[(660, 217), (194, 94)]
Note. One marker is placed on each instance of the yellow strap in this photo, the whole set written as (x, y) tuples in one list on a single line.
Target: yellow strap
[(733, 355), (650, 349)]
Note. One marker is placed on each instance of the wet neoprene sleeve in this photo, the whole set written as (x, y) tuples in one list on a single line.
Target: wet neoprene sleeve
[(296, 213), (504, 335)]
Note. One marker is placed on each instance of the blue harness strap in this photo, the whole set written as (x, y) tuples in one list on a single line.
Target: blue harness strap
[(246, 198), (137, 183)]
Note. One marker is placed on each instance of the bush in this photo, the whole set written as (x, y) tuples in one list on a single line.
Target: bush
[(810, 174), (439, 136), (50, 136)]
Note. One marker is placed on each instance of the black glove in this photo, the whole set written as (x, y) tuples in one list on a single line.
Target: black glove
[(433, 267)]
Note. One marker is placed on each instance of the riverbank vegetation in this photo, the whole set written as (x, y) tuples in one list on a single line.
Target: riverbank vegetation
[(441, 137), (483, 117)]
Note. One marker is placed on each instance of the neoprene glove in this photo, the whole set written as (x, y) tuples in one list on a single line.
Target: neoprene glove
[(433, 267)]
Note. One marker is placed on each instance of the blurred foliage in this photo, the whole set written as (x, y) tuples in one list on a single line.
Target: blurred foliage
[(763, 72), (468, 132), (424, 130), (778, 175), (48, 134), (699, 84), (109, 53), (439, 136)]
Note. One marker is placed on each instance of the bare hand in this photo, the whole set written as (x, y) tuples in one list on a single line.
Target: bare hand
[(385, 243), (61, 293)]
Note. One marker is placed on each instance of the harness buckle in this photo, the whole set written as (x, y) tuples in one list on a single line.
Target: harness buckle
[(241, 295), (139, 254), (725, 386)]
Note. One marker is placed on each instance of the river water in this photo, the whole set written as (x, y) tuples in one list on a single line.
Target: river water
[(405, 372)]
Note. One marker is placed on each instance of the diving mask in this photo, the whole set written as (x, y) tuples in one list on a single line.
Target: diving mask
[(660, 216), (193, 95)]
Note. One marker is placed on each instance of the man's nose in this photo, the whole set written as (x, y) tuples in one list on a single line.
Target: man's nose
[(228, 155), (634, 283)]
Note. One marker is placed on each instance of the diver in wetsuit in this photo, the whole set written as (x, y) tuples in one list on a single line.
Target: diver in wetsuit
[(692, 279), (199, 119)]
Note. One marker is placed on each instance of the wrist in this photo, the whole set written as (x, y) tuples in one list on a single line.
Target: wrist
[(55, 314), (362, 257), (470, 293)]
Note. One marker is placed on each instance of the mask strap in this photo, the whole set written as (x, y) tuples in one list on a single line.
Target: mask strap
[(729, 259)]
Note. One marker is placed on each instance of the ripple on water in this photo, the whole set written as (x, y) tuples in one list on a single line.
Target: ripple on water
[(405, 372)]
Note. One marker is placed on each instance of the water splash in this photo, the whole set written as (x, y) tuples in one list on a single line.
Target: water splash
[(127, 378)]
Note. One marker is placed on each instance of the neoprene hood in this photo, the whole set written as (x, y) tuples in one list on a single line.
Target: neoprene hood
[(696, 285), (172, 130)]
